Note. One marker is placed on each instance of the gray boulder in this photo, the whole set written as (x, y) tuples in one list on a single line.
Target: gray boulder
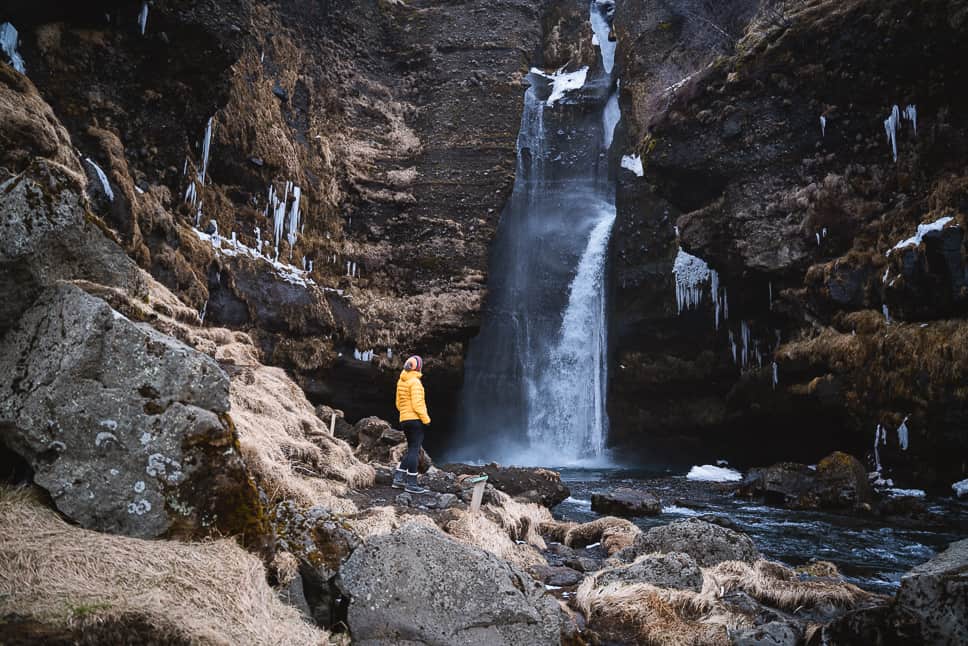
[(673, 570), (935, 594), (709, 544), (774, 633), (122, 425), (529, 484), (627, 503), (556, 575), (417, 586)]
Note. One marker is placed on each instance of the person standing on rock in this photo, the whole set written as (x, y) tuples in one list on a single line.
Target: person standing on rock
[(413, 417)]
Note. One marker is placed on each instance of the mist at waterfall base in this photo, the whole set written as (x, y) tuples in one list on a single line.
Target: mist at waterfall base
[(535, 377)]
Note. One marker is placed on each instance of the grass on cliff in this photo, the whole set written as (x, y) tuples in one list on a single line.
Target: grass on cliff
[(83, 582)]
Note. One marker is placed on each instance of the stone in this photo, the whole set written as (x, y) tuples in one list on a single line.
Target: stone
[(839, 481), (671, 570), (378, 442), (556, 575), (416, 585), (935, 594), (626, 502), (583, 563), (707, 543), (446, 500), (774, 633), (126, 428), (530, 484)]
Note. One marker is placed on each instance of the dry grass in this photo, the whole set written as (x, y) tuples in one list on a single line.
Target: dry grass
[(521, 521), (780, 587), (376, 521), (205, 593), (482, 532), (613, 533), (659, 616), (287, 446)]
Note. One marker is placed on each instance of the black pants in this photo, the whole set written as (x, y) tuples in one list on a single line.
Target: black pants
[(414, 430)]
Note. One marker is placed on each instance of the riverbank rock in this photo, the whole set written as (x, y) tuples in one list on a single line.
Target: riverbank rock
[(839, 481), (672, 570), (377, 441), (559, 576), (707, 543), (416, 585), (125, 427), (626, 502), (530, 484), (936, 595)]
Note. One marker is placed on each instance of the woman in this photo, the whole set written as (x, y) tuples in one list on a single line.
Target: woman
[(413, 417)]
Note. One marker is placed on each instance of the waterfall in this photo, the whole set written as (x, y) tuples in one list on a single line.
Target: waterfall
[(536, 375)]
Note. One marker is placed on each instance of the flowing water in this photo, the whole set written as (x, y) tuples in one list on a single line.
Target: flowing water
[(535, 377), (871, 552)]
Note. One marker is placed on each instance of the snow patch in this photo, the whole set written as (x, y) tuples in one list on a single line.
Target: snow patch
[(923, 230), (712, 473), (633, 163), (562, 82), (960, 488)]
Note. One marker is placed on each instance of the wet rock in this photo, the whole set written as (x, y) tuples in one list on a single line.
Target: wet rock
[(531, 484), (556, 575), (626, 502), (774, 633), (584, 563), (125, 427), (671, 570), (416, 584), (707, 543), (839, 481)]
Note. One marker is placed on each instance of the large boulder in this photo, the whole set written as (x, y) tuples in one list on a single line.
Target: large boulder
[(936, 595), (673, 570), (417, 586), (125, 427), (707, 543), (531, 484), (378, 442), (838, 481), (626, 502)]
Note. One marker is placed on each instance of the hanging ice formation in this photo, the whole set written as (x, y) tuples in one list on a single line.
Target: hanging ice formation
[(902, 434), (562, 82), (293, 219), (890, 127), (206, 147), (105, 184), (911, 114), (880, 437), (691, 273), (9, 39), (633, 163), (143, 17), (823, 126), (776, 375)]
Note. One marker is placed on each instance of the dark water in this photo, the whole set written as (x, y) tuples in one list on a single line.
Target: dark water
[(871, 552)]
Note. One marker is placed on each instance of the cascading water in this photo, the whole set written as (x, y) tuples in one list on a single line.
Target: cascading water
[(535, 377)]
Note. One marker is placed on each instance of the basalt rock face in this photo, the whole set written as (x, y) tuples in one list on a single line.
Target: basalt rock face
[(397, 121), (803, 220)]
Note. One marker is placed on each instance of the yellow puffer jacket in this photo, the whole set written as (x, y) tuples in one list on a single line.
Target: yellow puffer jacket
[(410, 397)]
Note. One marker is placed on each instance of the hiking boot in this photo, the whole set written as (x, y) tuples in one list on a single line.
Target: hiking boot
[(412, 486), (398, 479)]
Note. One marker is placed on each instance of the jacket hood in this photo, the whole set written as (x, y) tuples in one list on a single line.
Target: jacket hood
[(407, 375)]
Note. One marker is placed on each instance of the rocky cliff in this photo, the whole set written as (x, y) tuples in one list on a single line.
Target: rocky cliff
[(828, 230)]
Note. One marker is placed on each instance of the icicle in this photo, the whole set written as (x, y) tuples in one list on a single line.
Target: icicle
[(911, 114), (714, 293), (878, 434), (887, 314), (357, 355), (823, 126), (690, 273), (776, 377), (823, 233), (732, 345), (294, 219), (389, 353), (105, 185), (9, 38), (902, 434), (771, 295), (310, 266), (258, 239), (185, 168), (201, 315), (206, 147), (198, 215), (354, 270), (890, 127), (725, 305), (143, 17), (818, 238), (235, 241)]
